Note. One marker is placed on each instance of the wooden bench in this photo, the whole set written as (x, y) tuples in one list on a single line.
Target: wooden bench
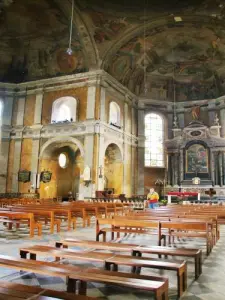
[(15, 291), (21, 217), (112, 261), (138, 250), (157, 285), (189, 229), (128, 226)]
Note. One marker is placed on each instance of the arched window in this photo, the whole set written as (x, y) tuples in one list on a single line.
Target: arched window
[(154, 144), (64, 109), (114, 113)]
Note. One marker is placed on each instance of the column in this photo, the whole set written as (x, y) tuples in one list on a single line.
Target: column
[(216, 168), (38, 108), (212, 167), (170, 122), (176, 168), (141, 151), (20, 110), (88, 161), (222, 122), (35, 162), (16, 165), (102, 105), (101, 162), (181, 163), (5, 139), (212, 113), (91, 95), (7, 110), (220, 157)]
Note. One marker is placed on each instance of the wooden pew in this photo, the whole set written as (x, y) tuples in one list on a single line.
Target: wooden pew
[(189, 229), (18, 218), (113, 260), (139, 250), (15, 291), (128, 226), (157, 285)]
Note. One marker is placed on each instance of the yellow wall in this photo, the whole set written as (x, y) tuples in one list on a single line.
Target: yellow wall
[(79, 93), (10, 166), (29, 110), (25, 163)]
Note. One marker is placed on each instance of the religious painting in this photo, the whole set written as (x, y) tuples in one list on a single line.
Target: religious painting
[(197, 159), (24, 176), (46, 176)]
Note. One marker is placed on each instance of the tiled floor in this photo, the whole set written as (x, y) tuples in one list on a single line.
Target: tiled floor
[(209, 286)]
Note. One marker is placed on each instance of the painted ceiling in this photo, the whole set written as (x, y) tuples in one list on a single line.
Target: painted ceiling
[(143, 45)]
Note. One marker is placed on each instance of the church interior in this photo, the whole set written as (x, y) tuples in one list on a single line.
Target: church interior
[(112, 149)]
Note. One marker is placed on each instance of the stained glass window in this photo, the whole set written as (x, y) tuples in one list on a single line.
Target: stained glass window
[(154, 135)]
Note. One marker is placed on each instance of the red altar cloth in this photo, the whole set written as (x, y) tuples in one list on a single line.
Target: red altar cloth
[(182, 194)]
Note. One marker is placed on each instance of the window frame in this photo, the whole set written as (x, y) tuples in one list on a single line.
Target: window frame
[(70, 102), (163, 141), (118, 113)]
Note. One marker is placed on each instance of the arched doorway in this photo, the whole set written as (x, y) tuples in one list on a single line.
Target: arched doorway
[(65, 162), (113, 169)]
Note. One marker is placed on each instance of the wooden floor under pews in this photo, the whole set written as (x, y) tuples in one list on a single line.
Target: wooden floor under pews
[(209, 285)]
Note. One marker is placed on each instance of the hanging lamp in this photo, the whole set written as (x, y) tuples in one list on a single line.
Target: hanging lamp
[(69, 50)]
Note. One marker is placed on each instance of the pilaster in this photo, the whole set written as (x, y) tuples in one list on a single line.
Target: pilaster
[(91, 99), (16, 165), (38, 108)]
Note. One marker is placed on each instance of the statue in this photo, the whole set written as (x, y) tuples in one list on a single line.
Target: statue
[(195, 112)]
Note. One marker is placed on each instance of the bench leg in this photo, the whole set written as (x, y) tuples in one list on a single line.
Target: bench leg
[(33, 256), (71, 285), (23, 254), (82, 288), (159, 295), (182, 280), (58, 245)]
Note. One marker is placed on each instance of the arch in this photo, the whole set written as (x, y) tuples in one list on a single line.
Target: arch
[(64, 108), (154, 143), (61, 140), (116, 143), (114, 113)]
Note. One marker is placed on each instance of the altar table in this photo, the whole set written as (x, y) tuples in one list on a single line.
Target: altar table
[(182, 194)]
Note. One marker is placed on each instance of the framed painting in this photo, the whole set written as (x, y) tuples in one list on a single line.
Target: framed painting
[(197, 159), (24, 176), (46, 176)]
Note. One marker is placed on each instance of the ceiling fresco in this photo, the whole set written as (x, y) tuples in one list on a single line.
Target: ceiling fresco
[(34, 38), (190, 54)]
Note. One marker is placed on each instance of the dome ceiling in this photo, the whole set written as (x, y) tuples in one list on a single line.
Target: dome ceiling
[(34, 38), (110, 35)]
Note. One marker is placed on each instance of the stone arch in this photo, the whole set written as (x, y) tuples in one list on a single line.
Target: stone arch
[(61, 140), (112, 141)]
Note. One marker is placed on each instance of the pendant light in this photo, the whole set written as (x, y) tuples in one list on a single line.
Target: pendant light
[(69, 50)]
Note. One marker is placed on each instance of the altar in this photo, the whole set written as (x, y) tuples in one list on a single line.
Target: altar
[(196, 158)]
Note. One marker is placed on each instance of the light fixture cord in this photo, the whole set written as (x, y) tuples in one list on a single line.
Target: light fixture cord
[(144, 46), (71, 25)]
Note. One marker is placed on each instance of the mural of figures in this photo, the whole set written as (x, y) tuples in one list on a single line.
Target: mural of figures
[(192, 58), (197, 159)]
